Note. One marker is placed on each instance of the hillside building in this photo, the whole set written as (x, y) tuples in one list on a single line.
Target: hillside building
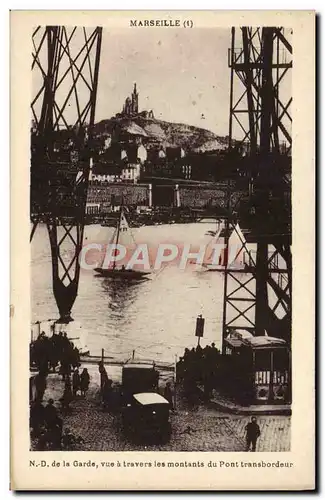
[(119, 163), (131, 107)]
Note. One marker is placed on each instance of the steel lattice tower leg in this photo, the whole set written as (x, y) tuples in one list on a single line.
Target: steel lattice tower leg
[(259, 300), (65, 71)]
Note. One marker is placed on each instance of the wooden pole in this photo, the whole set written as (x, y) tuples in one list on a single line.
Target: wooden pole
[(102, 355)]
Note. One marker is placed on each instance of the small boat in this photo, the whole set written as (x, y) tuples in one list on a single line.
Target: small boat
[(122, 235), (121, 273), (236, 242)]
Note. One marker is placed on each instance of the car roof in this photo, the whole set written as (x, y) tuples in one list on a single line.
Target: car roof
[(149, 398), (133, 366)]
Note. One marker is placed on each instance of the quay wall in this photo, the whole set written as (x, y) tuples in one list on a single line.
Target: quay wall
[(195, 196), (111, 194), (201, 197)]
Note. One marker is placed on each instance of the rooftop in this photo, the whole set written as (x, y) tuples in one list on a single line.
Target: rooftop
[(239, 339), (150, 398)]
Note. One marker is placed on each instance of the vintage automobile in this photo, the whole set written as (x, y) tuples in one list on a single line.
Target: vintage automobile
[(145, 413), (146, 417)]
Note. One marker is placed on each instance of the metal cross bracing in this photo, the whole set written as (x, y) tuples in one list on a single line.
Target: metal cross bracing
[(257, 77), (241, 292), (65, 69), (258, 298)]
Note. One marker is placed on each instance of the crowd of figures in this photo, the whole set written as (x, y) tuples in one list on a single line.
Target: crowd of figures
[(198, 366), (207, 367), (47, 353), (47, 420), (47, 428), (51, 354)]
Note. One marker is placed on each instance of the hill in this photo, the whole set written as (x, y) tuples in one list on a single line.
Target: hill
[(159, 132)]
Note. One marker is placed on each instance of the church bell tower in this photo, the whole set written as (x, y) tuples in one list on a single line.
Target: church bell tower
[(135, 97)]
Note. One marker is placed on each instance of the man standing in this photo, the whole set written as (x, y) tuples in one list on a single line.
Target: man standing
[(168, 394), (252, 433), (75, 382), (40, 385)]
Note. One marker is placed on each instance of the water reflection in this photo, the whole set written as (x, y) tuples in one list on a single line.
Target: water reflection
[(121, 294), (155, 317)]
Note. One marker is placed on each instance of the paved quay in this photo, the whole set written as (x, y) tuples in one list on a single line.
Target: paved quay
[(193, 429)]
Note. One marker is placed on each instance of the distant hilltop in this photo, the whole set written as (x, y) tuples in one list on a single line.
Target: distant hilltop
[(131, 124)]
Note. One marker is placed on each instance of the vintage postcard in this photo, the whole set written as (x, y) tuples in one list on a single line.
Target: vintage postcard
[(162, 305)]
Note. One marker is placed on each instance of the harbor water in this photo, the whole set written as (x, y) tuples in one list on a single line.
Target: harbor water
[(154, 317)]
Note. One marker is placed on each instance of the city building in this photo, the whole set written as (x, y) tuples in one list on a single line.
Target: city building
[(101, 173)]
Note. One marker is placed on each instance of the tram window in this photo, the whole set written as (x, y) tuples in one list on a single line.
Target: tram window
[(262, 377), (279, 377), (280, 359), (262, 360)]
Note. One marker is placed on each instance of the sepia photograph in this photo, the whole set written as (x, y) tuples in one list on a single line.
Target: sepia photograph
[(160, 238), (162, 308)]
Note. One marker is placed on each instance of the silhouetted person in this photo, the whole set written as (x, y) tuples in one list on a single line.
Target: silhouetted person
[(155, 380), (55, 354), (36, 418), (252, 433), (50, 414), (168, 394), (41, 352), (84, 381), (199, 351), (42, 442), (107, 394), (40, 385), (75, 382), (67, 395), (60, 343), (106, 389), (180, 369), (75, 357), (186, 354), (65, 368), (53, 426), (103, 375), (66, 342), (68, 440)]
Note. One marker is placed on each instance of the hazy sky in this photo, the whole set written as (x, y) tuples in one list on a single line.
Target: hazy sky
[(180, 74)]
